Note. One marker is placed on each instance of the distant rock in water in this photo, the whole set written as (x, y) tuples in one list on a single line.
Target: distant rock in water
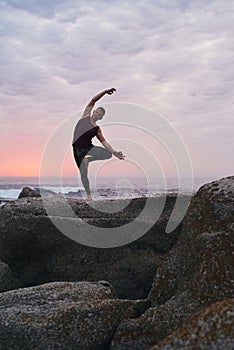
[(29, 192), (74, 194), (36, 192)]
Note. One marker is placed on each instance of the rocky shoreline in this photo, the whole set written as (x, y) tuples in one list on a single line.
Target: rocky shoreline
[(161, 291)]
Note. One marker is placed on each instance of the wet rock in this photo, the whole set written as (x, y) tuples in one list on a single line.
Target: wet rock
[(62, 315), (210, 328)]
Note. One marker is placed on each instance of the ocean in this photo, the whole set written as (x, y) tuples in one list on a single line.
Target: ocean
[(104, 188)]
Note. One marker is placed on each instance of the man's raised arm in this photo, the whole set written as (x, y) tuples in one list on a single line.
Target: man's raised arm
[(91, 104)]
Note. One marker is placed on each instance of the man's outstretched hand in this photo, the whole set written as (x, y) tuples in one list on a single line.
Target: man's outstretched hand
[(110, 91), (119, 155)]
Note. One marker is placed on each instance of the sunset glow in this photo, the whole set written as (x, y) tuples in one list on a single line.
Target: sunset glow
[(171, 57)]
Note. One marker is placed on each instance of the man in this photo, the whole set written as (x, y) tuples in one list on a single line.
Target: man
[(83, 149)]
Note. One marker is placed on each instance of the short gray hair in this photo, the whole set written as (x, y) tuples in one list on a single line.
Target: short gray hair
[(102, 109)]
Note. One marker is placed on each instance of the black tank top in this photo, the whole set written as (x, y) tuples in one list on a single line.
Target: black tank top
[(83, 133)]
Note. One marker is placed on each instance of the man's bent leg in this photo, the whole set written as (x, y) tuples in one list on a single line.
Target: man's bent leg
[(98, 153)]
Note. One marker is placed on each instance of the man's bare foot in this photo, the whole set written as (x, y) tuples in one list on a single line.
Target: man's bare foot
[(89, 197)]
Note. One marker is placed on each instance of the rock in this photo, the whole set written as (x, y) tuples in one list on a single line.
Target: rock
[(28, 192), (7, 280), (197, 272), (36, 192), (190, 270), (4, 200), (62, 315), (211, 209), (37, 252), (203, 254), (155, 324), (210, 328)]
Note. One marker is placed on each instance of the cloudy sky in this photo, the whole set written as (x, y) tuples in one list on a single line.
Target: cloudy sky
[(174, 57)]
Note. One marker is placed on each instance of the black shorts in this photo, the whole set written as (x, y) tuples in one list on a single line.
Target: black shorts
[(95, 153), (79, 154)]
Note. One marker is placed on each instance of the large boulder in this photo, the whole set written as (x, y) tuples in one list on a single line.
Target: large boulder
[(210, 328), (37, 252), (201, 262), (63, 315), (197, 272)]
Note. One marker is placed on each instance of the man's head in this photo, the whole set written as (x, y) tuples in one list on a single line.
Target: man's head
[(98, 113)]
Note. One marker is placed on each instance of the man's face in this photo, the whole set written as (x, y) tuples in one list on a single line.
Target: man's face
[(98, 114)]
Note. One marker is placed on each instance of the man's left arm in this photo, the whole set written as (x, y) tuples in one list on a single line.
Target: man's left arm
[(101, 138)]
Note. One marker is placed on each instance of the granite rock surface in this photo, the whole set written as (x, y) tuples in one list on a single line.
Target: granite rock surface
[(210, 328), (63, 315)]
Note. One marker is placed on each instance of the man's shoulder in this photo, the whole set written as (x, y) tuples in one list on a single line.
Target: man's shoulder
[(83, 120)]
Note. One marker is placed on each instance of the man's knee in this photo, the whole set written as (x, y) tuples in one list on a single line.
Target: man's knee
[(108, 154)]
